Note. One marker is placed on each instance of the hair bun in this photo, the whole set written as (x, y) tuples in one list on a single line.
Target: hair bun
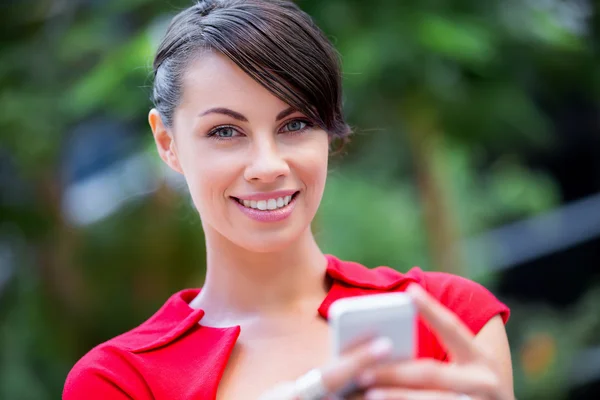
[(204, 7)]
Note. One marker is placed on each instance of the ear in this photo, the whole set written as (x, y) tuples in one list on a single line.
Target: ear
[(165, 144)]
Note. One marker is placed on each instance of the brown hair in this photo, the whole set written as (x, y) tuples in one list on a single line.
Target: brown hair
[(273, 41)]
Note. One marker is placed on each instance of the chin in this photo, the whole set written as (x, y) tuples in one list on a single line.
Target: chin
[(268, 242)]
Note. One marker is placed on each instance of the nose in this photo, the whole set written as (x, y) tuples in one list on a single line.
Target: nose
[(266, 164)]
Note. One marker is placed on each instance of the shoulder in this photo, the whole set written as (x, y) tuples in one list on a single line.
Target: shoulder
[(105, 372), (114, 369), (471, 301)]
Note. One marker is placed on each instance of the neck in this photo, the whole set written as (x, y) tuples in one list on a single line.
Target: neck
[(242, 284)]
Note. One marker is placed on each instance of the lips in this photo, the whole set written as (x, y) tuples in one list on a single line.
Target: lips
[(271, 207), (268, 204)]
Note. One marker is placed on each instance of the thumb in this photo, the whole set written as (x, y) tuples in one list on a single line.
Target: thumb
[(341, 372)]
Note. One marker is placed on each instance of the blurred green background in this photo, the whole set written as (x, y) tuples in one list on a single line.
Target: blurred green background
[(476, 151)]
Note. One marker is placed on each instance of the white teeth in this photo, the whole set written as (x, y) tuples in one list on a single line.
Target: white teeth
[(270, 204)]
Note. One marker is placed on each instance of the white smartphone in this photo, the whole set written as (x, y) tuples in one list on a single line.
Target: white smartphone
[(391, 315)]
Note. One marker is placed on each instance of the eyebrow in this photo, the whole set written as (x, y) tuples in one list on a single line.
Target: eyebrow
[(285, 113), (240, 117), (225, 111)]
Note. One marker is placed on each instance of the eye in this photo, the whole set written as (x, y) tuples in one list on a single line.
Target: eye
[(224, 132), (295, 126)]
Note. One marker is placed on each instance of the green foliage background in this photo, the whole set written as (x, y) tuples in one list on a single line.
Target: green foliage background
[(441, 95)]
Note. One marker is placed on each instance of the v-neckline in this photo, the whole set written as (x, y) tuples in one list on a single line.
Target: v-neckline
[(231, 334), (229, 337)]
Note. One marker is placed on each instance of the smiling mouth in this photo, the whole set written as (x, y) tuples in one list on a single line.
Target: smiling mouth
[(267, 204)]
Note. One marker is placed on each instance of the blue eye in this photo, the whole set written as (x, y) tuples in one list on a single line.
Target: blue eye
[(224, 132), (295, 126)]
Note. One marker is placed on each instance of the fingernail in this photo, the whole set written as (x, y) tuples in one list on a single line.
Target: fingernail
[(365, 379), (374, 395), (410, 287), (413, 289), (381, 347)]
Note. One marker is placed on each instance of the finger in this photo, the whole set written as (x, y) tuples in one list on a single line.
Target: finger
[(433, 375), (339, 374), (409, 394), (284, 390), (453, 332)]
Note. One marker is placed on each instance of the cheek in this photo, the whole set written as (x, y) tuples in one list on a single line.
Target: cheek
[(207, 175), (311, 162), (319, 169)]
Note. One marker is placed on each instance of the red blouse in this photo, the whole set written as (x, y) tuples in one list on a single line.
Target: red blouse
[(172, 356)]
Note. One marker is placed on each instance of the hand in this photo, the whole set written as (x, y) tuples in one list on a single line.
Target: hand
[(342, 371), (472, 372)]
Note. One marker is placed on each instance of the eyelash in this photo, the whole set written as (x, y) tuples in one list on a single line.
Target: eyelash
[(213, 133)]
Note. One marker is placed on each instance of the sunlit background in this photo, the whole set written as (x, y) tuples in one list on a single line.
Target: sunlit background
[(476, 151)]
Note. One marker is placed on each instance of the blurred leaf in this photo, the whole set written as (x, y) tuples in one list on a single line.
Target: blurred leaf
[(460, 39), (387, 228), (103, 86)]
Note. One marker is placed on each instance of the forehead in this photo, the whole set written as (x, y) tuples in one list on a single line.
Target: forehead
[(213, 80)]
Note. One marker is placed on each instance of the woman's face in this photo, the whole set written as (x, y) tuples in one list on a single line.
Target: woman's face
[(255, 168)]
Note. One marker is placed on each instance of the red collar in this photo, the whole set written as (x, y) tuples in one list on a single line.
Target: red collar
[(176, 317), (359, 276)]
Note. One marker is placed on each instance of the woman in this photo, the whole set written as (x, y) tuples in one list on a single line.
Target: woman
[(247, 104)]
